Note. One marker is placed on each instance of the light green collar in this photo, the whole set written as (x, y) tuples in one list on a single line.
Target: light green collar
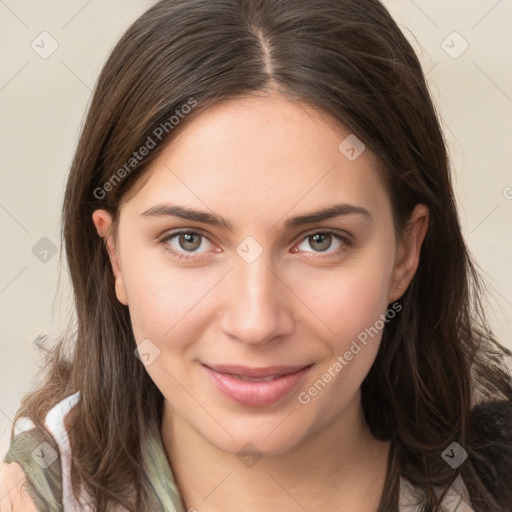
[(160, 474)]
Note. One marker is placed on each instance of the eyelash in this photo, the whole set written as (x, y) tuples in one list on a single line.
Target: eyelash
[(164, 239)]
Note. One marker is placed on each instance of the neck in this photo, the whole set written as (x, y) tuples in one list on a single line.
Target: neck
[(340, 467)]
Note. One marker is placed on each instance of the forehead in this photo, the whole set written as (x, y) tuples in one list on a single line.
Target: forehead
[(262, 155)]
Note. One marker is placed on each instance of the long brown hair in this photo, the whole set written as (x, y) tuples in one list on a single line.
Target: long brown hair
[(439, 375)]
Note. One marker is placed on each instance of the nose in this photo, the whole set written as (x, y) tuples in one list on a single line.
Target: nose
[(258, 305)]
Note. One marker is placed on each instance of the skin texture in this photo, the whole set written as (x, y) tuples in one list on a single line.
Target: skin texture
[(258, 161), (13, 496)]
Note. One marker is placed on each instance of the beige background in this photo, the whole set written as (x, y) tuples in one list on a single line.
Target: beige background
[(42, 104)]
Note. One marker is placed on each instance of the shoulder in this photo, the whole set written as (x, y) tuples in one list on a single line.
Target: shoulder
[(13, 495), (36, 466), (456, 499), (489, 447), (491, 440), (31, 472)]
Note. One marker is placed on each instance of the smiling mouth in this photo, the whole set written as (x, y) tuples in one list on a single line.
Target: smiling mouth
[(259, 372), (256, 387)]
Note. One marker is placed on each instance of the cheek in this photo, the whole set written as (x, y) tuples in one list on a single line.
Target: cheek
[(351, 305), (350, 297), (164, 298)]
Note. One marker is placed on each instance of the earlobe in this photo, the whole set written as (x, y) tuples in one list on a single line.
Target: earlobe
[(408, 253), (103, 223)]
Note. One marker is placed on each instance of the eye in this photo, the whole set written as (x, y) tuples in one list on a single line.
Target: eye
[(184, 244), (321, 241)]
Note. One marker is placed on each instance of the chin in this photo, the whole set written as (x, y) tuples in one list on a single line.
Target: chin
[(263, 437)]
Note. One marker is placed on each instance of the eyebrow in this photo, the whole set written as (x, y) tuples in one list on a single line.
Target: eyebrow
[(181, 212)]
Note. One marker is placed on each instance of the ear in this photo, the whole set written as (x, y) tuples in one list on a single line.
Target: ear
[(408, 253), (103, 222)]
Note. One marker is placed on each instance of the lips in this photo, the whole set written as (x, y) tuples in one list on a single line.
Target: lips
[(256, 387), (245, 371)]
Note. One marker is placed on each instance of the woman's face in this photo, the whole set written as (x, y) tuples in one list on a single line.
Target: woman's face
[(225, 258)]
